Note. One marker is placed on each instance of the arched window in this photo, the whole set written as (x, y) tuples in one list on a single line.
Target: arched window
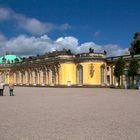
[(52, 76), (102, 74), (21, 77), (28, 77), (35, 76), (80, 75), (43, 76), (15, 78)]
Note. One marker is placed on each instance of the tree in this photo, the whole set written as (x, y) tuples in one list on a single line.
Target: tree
[(133, 69), (119, 69), (135, 44)]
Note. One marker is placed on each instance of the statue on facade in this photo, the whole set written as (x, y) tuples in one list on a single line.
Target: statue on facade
[(91, 50)]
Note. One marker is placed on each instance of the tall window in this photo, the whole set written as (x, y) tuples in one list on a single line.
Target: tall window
[(17, 74), (21, 77), (80, 75), (28, 77), (43, 76), (108, 79), (52, 76), (35, 76), (15, 77), (102, 74)]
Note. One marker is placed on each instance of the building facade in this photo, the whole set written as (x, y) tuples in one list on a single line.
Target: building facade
[(59, 68), (125, 79)]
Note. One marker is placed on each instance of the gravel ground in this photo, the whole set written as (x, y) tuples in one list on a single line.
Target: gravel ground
[(70, 114)]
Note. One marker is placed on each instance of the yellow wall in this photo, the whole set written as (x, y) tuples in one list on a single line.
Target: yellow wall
[(11, 79), (96, 79), (67, 73)]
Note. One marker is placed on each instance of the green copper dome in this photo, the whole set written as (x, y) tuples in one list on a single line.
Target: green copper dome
[(9, 58)]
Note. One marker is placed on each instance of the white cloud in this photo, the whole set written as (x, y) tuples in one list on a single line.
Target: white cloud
[(31, 25), (2, 43), (115, 50), (4, 14), (67, 43), (65, 26), (25, 45), (34, 26), (2, 38), (85, 47)]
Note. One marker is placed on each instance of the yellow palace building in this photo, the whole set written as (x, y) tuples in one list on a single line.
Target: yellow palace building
[(59, 68)]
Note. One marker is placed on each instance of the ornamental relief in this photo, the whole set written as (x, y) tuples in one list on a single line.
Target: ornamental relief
[(91, 70)]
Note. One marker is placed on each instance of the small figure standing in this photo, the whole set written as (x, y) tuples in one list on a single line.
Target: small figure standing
[(11, 88), (1, 89)]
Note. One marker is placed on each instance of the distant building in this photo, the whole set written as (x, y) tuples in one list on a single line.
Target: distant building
[(62, 68)]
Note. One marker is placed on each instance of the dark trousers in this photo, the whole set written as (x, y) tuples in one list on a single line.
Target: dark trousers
[(1, 92), (11, 92)]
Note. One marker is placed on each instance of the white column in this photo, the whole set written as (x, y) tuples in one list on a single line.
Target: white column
[(50, 78), (20, 77), (27, 78), (34, 82), (42, 77), (15, 78)]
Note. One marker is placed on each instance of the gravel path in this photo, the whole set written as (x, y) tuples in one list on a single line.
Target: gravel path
[(70, 114)]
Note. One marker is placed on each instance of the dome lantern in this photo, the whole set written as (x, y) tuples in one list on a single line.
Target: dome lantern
[(9, 58)]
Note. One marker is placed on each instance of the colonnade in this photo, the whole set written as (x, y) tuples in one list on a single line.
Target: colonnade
[(52, 75), (36, 76)]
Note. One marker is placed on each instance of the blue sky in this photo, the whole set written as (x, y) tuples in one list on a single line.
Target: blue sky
[(75, 24)]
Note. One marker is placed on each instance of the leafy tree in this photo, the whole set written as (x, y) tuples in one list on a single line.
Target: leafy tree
[(135, 44), (133, 69), (119, 69)]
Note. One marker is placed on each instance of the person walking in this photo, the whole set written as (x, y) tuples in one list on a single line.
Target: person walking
[(1, 89), (11, 89)]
